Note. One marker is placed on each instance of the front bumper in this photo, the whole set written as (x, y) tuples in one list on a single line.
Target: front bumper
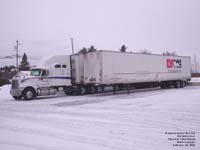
[(16, 92)]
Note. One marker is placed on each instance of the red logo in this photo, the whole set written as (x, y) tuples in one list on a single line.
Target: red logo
[(173, 63)]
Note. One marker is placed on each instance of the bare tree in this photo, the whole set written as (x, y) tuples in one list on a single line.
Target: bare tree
[(92, 49), (86, 50), (83, 50), (123, 48), (195, 64), (167, 53), (145, 51)]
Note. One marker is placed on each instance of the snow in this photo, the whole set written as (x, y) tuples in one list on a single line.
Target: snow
[(195, 80), (135, 121)]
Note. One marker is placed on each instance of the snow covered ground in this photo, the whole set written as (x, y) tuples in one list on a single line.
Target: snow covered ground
[(195, 80), (136, 121)]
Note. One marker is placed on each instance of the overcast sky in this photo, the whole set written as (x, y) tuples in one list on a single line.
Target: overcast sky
[(44, 27)]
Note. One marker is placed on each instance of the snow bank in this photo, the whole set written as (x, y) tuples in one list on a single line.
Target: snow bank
[(4, 92), (195, 80)]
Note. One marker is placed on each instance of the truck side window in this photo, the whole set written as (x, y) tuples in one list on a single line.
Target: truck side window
[(45, 73), (64, 66), (58, 66)]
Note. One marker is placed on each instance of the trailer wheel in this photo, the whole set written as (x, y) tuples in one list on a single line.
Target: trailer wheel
[(17, 97), (92, 89), (68, 91), (163, 85), (168, 85), (81, 90), (183, 84), (29, 94), (177, 84), (102, 89)]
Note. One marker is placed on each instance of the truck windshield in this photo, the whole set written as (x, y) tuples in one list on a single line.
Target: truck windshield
[(35, 72)]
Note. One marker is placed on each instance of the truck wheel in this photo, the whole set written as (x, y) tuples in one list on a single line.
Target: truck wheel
[(163, 85), (81, 90), (168, 85), (29, 94), (177, 84), (91, 89), (17, 97), (183, 84), (68, 91)]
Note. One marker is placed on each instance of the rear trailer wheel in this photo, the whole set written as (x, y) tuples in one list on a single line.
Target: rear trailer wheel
[(17, 97), (29, 94), (168, 85), (183, 84), (163, 85), (177, 84)]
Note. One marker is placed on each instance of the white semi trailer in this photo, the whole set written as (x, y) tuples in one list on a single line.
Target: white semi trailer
[(91, 72), (123, 70)]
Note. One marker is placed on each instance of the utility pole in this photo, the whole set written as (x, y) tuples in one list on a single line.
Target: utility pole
[(72, 43), (16, 47)]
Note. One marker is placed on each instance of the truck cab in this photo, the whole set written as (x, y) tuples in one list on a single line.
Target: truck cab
[(51, 76)]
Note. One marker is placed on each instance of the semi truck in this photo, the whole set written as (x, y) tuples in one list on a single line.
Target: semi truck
[(91, 72)]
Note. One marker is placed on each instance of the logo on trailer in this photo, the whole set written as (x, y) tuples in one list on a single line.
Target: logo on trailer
[(174, 63)]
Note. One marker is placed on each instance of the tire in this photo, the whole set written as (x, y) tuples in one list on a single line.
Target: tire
[(68, 91), (177, 84), (183, 84), (29, 94), (81, 90), (102, 88), (17, 97), (168, 85), (92, 89), (163, 85)]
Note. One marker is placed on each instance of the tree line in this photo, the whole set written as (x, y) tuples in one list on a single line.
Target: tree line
[(7, 72)]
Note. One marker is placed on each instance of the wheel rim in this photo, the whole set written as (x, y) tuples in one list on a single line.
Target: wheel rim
[(29, 94), (82, 90)]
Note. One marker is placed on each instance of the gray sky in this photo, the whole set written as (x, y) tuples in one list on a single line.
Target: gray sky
[(44, 27)]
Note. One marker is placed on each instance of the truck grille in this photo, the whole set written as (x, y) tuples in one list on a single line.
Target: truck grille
[(15, 84)]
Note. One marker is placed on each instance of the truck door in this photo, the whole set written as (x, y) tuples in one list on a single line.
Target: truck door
[(44, 79)]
